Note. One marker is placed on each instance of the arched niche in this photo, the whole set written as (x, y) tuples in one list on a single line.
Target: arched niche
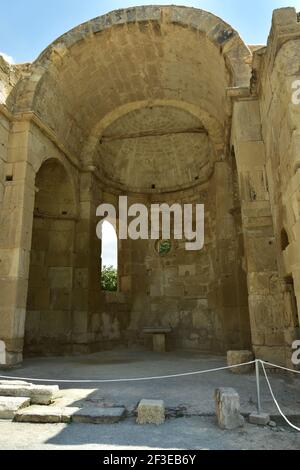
[(48, 326)]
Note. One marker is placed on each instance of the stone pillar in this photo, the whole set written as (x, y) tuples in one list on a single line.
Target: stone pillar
[(15, 242), (291, 255), (264, 286), (291, 195), (87, 288), (276, 82), (232, 285)]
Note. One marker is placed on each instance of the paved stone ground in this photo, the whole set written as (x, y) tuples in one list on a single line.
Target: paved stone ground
[(184, 433), (188, 395), (194, 394)]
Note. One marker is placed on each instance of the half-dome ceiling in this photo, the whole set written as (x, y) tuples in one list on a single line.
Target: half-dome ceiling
[(160, 148)]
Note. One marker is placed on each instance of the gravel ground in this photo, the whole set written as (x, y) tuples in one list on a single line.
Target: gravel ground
[(185, 434)]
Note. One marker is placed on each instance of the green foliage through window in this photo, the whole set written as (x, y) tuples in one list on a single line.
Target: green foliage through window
[(109, 279), (164, 247)]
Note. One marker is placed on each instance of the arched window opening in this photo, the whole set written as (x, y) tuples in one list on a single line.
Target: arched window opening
[(51, 273), (235, 183), (291, 303), (284, 240), (109, 258)]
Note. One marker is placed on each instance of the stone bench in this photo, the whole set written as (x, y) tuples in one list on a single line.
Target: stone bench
[(159, 337)]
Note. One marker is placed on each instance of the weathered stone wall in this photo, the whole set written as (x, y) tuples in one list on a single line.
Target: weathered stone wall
[(265, 296), (28, 148), (4, 135), (49, 302), (67, 312), (65, 108), (15, 241), (6, 83), (123, 124), (10, 76), (201, 295), (101, 318), (277, 68)]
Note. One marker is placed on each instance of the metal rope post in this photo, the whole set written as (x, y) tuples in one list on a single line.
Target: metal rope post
[(257, 363)]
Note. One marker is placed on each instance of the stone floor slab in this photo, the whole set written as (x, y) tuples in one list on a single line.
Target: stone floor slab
[(261, 419), (39, 414), (99, 415)]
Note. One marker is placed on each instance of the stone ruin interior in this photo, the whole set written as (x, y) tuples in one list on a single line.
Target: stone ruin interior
[(163, 105)]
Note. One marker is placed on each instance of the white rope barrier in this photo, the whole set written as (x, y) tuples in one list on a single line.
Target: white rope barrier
[(280, 367), (274, 398), (165, 377), (141, 379)]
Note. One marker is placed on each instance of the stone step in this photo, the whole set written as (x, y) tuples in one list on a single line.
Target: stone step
[(15, 382), (38, 394), (10, 405), (53, 414), (45, 414)]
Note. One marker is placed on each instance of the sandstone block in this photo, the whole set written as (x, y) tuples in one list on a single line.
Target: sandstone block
[(240, 357), (228, 409), (14, 382), (39, 414), (262, 419), (99, 415), (151, 412), (10, 405), (68, 413), (38, 394)]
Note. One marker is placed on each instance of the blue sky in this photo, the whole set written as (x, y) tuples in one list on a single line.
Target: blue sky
[(28, 26)]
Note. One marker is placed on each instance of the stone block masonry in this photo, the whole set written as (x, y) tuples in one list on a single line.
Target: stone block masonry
[(240, 357), (157, 125), (9, 406), (228, 409), (151, 412), (38, 394)]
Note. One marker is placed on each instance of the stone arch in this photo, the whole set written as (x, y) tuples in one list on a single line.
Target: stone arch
[(56, 175), (217, 36), (70, 176), (219, 33), (211, 124)]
